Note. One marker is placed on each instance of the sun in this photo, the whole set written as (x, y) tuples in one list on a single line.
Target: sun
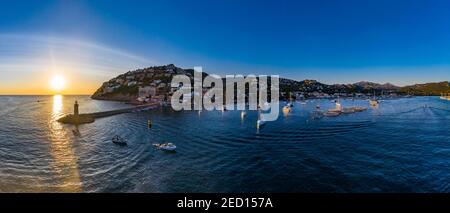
[(57, 83)]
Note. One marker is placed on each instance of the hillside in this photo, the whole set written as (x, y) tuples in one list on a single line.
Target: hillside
[(125, 87), (427, 89), (154, 82)]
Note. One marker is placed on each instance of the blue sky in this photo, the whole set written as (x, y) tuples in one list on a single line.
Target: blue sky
[(402, 42)]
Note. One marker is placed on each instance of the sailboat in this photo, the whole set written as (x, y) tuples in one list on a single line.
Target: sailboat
[(373, 102), (290, 104), (260, 122), (243, 113)]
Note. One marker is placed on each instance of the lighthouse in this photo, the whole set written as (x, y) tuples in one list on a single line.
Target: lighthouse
[(75, 108)]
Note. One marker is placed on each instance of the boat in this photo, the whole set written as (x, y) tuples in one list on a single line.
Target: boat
[(76, 132), (359, 109), (149, 124), (332, 113), (373, 102), (338, 106), (290, 104), (118, 140), (260, 122), (348, 110), (165, 146), (243, 113)]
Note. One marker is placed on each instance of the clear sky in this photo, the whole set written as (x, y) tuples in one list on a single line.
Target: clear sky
[(89, 42)]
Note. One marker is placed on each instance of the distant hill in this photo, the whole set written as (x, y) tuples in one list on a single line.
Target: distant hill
[(427, 89), (365, 85), (125, 87)]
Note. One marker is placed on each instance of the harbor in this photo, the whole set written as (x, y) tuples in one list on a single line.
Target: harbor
[(287, 153)]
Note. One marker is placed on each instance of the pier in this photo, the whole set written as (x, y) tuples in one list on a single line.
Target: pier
[(90, 117)]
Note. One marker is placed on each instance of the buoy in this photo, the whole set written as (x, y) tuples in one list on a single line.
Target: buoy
[(149, 124)]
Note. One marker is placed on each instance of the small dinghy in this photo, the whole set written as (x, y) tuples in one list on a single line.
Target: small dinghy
[(165, 146), (118, 140)]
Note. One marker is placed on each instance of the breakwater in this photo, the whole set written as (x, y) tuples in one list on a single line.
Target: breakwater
[(90, 117)]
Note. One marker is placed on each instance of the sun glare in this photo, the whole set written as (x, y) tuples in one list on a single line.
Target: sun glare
[(57, 83)]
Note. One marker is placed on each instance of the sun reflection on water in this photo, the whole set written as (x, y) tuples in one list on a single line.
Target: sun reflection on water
[(64, 160), (57, 105)]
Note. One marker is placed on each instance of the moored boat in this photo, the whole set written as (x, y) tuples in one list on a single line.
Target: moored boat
[(165, 146), (373, 102), (260, 122), (118, 140), (332, 113)]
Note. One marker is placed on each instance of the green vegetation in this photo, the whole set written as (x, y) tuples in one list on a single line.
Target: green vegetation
[(429, 89), (127, 89)]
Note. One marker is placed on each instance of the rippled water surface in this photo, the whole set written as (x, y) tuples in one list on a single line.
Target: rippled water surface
[(401, 146)]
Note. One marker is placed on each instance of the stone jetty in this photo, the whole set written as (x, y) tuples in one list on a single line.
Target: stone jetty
[(77, 118)]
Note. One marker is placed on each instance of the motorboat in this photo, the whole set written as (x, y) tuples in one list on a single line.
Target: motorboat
[(118, 140), (373, 102), (165, 146)]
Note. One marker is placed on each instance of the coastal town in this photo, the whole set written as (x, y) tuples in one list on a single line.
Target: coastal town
[(152, 85)]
